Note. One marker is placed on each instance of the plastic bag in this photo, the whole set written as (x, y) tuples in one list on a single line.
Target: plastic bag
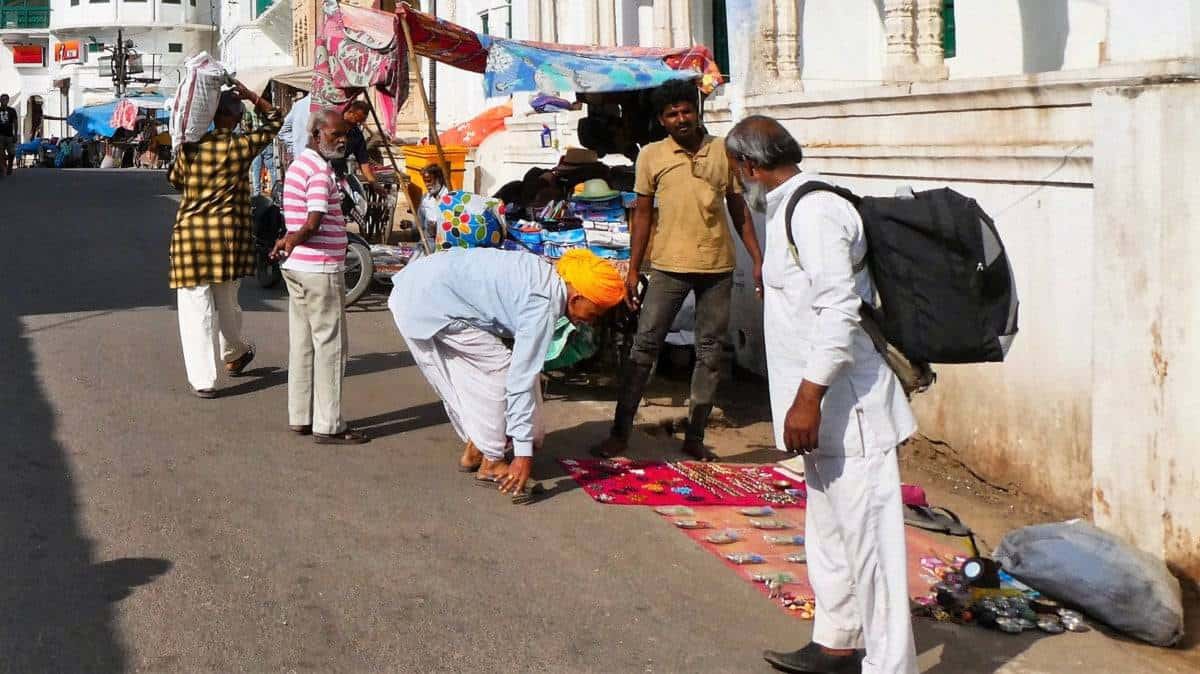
[(470, 221), (1079, 564), (196, 101)]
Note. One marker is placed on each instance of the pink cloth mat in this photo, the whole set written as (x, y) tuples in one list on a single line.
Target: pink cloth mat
[(691, 483), (930, 557)]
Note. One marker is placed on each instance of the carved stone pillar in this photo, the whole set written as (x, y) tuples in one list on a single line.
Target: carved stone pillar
[(662, 23), (765, 50), (900, 23), (549, 14), (591, 17), (787, 40), (608, 22), (681, 23), (535, 20), (930, 55)]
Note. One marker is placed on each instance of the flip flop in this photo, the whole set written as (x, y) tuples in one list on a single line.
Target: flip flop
[(532, 488), (469, 469), (529, 494)]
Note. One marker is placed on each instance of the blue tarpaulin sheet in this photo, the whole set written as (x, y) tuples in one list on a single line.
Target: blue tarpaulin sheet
[(516, 66), (96, 120)]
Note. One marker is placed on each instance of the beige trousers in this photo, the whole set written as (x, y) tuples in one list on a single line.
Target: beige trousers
[(318, 349), (210, 323)]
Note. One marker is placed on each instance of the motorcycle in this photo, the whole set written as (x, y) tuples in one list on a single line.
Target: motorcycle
[(268, 227)]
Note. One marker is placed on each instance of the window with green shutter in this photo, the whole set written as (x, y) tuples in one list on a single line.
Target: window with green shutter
[(261, 6), (949, 35), (720, 45)]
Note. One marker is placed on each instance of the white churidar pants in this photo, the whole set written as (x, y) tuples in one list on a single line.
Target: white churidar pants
[(210, 325), (857, 564), (318, 348), (468, 369)]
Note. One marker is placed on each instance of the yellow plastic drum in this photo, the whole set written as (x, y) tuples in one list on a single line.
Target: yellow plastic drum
[(417, 157)]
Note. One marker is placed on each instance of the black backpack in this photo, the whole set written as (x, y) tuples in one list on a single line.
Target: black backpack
[(945, 286)]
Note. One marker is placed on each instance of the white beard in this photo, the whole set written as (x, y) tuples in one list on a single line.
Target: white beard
[(756, 195)]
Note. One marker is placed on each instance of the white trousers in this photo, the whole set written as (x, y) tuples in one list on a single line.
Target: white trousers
[(210, 328), (318, 348), (468, 369), (857, 564)]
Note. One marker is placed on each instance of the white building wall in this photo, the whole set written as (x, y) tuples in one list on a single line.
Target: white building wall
[(842, 44), (1039, 36), (1163, 29), (153, 13), (1146, 450), (1092, 410), (460, 92)]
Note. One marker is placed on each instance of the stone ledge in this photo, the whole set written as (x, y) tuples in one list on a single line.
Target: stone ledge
[(1055, 89)]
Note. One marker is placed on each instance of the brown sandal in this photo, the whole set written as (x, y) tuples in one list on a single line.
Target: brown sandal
[(236, 367)]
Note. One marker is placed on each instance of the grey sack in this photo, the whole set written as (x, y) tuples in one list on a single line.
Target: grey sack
[(1110, 581)]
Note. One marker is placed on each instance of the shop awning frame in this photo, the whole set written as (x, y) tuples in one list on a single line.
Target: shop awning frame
[(517, 65)]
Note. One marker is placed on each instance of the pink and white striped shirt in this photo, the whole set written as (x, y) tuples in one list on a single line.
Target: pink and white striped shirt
[(310, 187)]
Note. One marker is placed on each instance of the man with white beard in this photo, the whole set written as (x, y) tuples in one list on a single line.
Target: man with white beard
[(315, 248), (834, 400)]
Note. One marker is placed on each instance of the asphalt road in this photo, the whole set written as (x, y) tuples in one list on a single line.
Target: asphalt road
[(143, 529)]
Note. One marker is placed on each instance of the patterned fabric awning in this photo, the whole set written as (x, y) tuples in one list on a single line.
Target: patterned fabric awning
[(443, 41), (514, 65)]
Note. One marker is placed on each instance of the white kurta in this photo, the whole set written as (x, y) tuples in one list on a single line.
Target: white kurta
[(855, 521)]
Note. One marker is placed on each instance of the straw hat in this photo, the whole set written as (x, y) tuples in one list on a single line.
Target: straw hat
[(596, 189)]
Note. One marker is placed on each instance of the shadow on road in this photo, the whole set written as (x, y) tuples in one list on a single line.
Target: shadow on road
[(369, 363), (402, 421), (56, 597)]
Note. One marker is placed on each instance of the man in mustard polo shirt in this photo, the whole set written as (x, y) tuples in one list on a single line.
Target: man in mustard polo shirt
[(684, 184)]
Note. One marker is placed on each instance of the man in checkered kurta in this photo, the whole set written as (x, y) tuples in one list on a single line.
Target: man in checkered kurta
[(211, 248)]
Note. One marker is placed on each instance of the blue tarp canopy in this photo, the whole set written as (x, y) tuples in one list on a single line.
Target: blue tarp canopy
[(96, 120)]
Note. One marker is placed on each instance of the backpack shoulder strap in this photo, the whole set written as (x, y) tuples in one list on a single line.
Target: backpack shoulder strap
[(803, 191)]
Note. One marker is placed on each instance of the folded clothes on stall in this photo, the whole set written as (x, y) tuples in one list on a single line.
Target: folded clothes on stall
[(527, 236), (555, 243), (603, 211), (610, 253)]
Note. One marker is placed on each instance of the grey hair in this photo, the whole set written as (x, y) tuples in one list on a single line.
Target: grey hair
[(317, 120), (764, 142)]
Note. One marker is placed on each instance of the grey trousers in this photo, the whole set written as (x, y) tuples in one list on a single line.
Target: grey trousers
[(664, 297), (318, 349)]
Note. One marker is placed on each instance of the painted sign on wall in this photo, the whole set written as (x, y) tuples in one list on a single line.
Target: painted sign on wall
[(29, 55), (68, 52)]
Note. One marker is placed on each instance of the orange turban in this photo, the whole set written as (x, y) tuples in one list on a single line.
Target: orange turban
[(591, 277)]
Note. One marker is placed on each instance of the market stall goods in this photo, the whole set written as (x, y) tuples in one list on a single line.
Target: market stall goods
[(660, 483), (358, 49), (515, 65), (780, 570)]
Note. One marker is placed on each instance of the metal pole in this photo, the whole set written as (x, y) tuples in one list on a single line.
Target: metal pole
[(119, 55)]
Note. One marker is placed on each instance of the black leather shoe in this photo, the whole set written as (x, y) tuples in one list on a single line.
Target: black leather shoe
[(812, 659)]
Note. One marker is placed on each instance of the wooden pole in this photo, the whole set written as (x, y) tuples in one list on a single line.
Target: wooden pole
[(415, 67), (400, 182)]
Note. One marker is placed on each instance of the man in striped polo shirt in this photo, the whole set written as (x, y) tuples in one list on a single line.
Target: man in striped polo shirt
[(315, 248)]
